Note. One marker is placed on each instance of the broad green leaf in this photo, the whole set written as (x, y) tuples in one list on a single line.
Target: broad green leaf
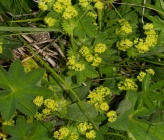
[(19, 131), (156, 8), (135, 122), (146, 82), (81, 92), (4, 82), (7, 45), (28, 131), (75, 113), (19, 89), (88, 72)]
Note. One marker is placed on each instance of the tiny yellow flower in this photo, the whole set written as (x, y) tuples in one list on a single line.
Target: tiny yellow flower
[(39, 116), (127, 84), (84, 51), (51, 104), (91, 134), (57, 7), (49, 21), (42, 6), (84, 3), (100, 47), (150, 71), (46, 111), (62, 133), (99, 5), (69, 12), (3, 136), (123, 45), (30, 119), (104, 106), (89, 58), (73, 136), (92, 14), (38, 101), (148, 26), (82, 127), (141, 76), (112, 116), (79, 67), (9, 123), (124, 29), (96, 61)]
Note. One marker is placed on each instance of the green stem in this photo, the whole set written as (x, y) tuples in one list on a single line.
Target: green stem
[(27, 29), (116, 10), (72, 43), (28, 20), (81, 105), (100, 16)]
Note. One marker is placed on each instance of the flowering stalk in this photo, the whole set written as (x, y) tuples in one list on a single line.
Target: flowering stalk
[(55, 75), (100, 15)]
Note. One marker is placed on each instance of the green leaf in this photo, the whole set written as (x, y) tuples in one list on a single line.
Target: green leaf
[(132, 120), (88, 72), (7, 45), (19, 89), (75, 113), (81, 91), (28, 131), (146, 82)]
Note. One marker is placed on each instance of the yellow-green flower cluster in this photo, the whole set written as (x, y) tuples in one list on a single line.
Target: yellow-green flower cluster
[(99, 5), (127, 84), (69, 12), (1, 49), (39, 100), (93, 57), (100, 48), (84, 3), (29, 119), (143, 45), (91, 134), (62, 133), (84, 51), (65, 7), (112, 116), (64, 3), (3, 136), (92, 14), (42, 5), (11, 122), (124, 29), (49, 106), (96, 60), (85, 128), (150, 71), (142, 74), (67, 133), (74, 65), (124, 44), (49, 21), (29, 65), (97, 97)]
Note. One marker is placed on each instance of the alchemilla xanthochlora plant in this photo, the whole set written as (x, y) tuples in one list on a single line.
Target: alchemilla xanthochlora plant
[(109, 80)]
